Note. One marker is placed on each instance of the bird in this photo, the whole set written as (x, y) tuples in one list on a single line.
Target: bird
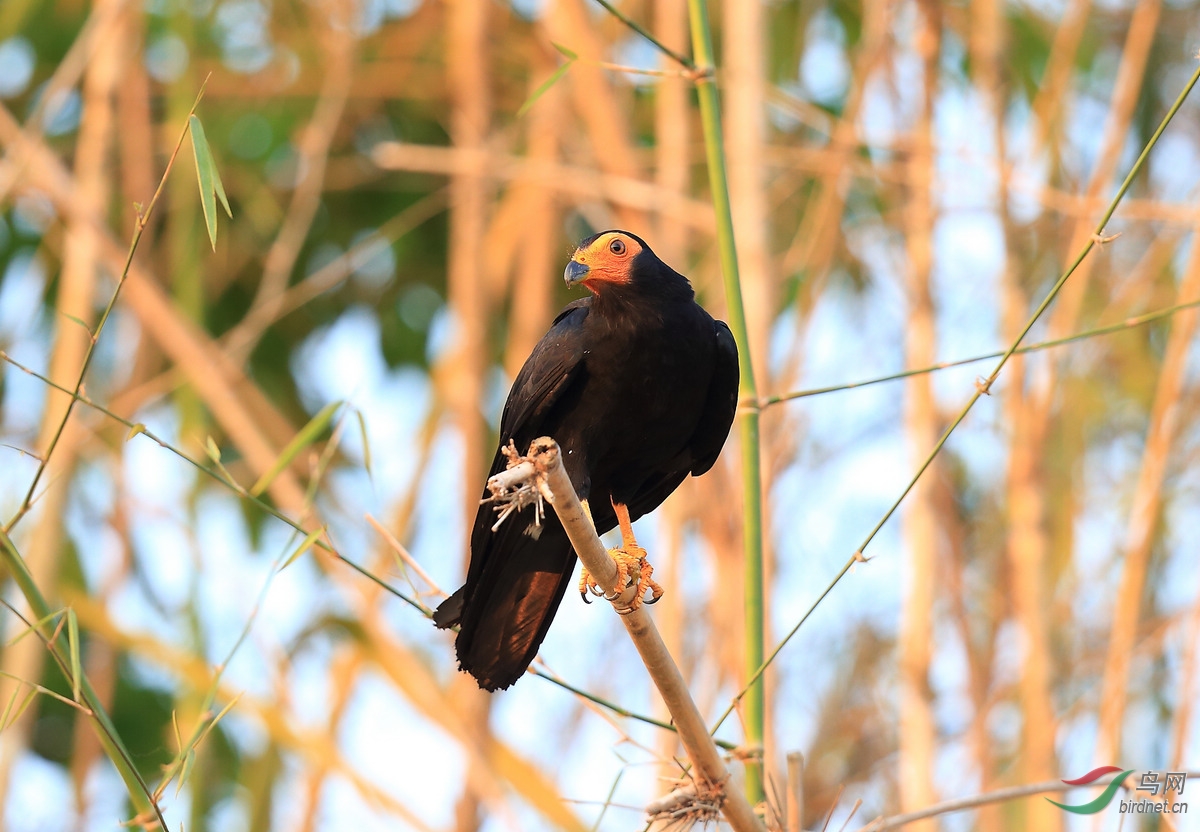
[(638, 384)]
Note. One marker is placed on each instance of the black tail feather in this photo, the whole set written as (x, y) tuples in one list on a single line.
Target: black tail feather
[(504, 614)]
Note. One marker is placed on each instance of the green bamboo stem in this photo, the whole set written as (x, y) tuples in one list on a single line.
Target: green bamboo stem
[(110, 740), (983, 387), (752, 534)]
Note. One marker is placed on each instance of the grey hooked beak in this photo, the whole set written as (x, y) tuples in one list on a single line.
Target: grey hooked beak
[(575, 272)]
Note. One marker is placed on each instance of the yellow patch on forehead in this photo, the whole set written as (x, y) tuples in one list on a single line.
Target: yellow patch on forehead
[(609, 259), (602, 247)]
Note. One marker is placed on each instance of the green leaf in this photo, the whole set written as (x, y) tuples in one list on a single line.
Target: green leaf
[(208, 178), (304, 546), (362, 430), (548, 83), (307, 435), (214, 453), (73, 650), (79, 321), (13, 716), (564, 51)]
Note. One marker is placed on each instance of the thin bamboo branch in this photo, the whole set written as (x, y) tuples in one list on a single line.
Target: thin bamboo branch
[(543, 466), (985, 799), (141, 429), (678, 57), (214, 375), (1128, 323), (267, 508), (95, 334), (984, 385)]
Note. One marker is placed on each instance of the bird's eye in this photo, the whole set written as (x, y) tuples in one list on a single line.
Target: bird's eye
[(617, 247)]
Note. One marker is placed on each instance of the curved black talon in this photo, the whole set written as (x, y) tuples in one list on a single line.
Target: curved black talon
[(583, 594), (654, 599)]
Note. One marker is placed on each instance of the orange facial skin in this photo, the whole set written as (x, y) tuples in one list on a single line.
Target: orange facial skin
[(606, 259)]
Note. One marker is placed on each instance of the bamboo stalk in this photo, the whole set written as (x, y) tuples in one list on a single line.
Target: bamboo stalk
[(1164, 428), (983, 386), (460, 377), (917, 729), (543, 465), (583, 183), (752, 534), (71, 349)]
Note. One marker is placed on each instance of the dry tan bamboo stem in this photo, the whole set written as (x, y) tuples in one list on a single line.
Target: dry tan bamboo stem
[(75, 300), (555, 485), (1148, 498), (795, 791), (581, 182), (917, 729)]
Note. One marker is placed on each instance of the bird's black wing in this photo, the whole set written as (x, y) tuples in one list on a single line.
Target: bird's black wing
[(518, 574), (720, 406), (554, 362)]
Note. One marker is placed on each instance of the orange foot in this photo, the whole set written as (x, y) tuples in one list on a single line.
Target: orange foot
[(631, 560)]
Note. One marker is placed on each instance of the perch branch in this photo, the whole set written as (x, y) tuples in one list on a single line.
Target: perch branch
[(552, 483)]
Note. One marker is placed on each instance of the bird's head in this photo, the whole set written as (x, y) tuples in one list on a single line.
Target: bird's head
[(609, 257)]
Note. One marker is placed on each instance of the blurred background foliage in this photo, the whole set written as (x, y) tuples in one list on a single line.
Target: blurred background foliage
[(909, 178)]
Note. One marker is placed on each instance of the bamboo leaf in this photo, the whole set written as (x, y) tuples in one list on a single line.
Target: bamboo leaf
[(79, 321), (212, 723), (549, 82), (362, 430), (8, 709), (73, 652), (188, 760), (206, 176), (219, 186), (23, 707), (307, 435), (214, 453), (304, 546)]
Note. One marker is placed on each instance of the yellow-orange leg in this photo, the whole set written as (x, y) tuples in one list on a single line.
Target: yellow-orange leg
[(630, 559), (586, 582)]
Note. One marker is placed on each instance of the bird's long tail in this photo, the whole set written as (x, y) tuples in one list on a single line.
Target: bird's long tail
[(505, 611)]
